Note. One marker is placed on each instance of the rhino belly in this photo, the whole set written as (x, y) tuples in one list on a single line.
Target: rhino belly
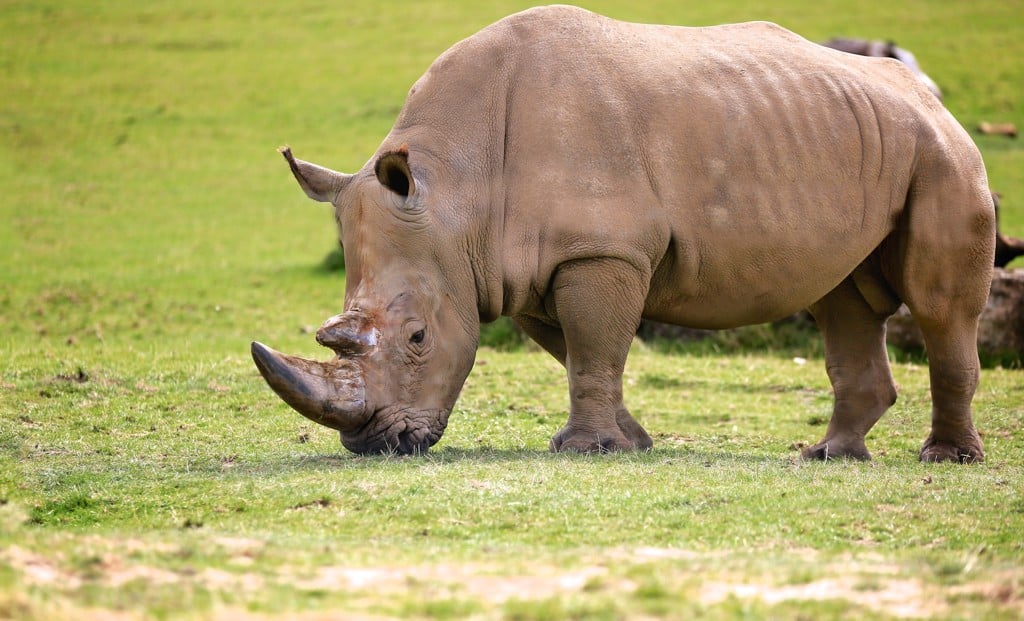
[(752, 279)]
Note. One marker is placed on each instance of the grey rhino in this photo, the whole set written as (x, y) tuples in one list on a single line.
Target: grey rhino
[(578, 173)]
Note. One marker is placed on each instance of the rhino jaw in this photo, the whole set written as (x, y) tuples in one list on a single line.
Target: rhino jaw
[(330, 393), (398, 430)]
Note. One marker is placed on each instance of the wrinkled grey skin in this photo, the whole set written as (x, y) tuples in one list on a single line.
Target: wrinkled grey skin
[(578, 173)]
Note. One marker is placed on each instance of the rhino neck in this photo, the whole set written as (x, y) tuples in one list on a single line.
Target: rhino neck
[(454, 123), (487, 271), (468, 200)]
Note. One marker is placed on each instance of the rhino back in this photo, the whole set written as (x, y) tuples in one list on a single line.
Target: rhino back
[(741, 166)]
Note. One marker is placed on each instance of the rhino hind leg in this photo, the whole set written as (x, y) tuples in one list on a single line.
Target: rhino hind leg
[(954, 372), (857, 364), (946, 281), (598, 304)]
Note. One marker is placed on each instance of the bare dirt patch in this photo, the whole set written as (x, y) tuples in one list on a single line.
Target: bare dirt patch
[(897, 598), (875, 587), (480, 582)]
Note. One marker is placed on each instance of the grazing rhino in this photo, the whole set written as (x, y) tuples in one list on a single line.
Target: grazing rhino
[(578, 173)]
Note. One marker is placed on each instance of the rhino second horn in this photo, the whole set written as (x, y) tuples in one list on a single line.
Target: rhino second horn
[(348, 334), (330, 393)]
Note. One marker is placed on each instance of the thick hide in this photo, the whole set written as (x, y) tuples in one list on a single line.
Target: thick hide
[(578, 173)]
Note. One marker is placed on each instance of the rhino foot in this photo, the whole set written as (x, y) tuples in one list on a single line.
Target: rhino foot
[(633, 430), (834, 448), (569, 441), (965, 450), (628, 436)]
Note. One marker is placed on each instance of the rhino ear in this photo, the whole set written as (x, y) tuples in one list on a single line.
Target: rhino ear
[(392, 170), (319, 183)]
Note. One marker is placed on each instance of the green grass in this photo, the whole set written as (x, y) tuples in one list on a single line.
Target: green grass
[(150, 231), (194, 486)]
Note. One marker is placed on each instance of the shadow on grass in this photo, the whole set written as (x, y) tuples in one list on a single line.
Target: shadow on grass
[(667, 455), (661, 382)]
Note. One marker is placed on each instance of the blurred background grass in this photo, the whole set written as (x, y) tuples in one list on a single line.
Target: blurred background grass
[(144, 204)]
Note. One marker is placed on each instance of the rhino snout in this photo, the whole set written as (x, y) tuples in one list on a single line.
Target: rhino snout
[(397, 430)]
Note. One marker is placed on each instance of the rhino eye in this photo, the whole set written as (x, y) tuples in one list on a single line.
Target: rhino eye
[(417, 337)]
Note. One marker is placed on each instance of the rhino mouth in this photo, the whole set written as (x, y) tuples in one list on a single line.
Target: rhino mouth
[(397, 430)]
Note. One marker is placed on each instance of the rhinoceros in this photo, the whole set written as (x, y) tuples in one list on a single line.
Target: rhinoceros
[(577, 174)]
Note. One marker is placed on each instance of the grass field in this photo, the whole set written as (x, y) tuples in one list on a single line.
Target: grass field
[(149, 231)]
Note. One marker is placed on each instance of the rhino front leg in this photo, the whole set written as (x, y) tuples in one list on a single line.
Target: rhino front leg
[(858, 367), (552, 339), (633, 430), (598, 304)]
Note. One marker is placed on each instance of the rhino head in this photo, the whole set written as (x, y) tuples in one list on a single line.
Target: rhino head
[(407, 337)]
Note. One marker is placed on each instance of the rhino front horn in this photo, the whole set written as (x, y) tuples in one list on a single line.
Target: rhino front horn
[(330, 393)]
